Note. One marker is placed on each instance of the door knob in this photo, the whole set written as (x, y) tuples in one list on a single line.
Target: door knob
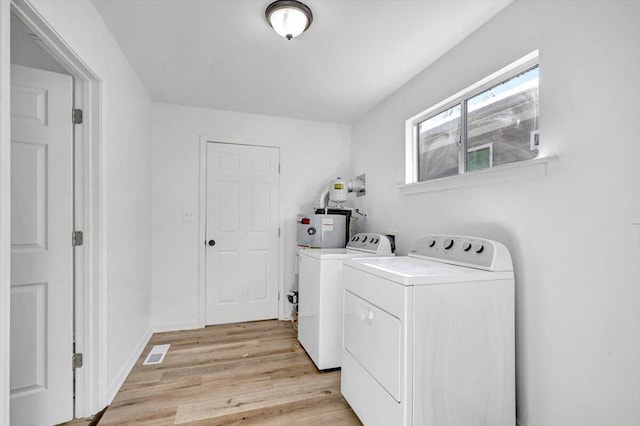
[(212, 243)]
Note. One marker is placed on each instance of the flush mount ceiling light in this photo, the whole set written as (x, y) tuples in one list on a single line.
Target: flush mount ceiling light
[(289, 18)]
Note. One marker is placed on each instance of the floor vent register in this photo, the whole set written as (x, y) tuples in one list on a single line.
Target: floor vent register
[(157, 354)]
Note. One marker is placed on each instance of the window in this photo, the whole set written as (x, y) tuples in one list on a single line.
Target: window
[(439, 137), (492, 123)]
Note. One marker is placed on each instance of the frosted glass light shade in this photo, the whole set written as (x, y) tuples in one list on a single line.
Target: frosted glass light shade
[(289, 18)]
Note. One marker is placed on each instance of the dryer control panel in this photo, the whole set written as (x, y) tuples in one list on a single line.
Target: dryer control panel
[(466, 251), (371, 243)]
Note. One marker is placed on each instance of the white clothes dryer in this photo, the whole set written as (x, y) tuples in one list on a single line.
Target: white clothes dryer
[(320, 294), (429, 337)]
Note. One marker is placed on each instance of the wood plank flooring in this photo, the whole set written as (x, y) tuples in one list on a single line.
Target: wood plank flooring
[(247, 373)]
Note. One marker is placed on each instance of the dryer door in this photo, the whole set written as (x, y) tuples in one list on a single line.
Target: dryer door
[(373, 337)]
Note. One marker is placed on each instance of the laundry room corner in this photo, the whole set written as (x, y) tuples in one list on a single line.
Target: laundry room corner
[(311, 153)]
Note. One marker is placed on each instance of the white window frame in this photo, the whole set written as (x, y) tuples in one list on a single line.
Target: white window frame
[(411, 125)]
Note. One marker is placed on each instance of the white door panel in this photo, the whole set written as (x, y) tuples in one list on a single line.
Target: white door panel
[(29, 202), (242, 219), (41, 251)]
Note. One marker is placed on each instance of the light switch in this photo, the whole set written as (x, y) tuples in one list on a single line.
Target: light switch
[(188, 215)]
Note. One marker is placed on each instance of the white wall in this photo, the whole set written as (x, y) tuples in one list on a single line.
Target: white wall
[(126, 180), (576, 252), (311, 153)]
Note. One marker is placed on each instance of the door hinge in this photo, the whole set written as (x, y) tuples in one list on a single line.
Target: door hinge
[(76, 361), (278, 296), (278, 232), (278, 168), (77, 116), (77, 239)]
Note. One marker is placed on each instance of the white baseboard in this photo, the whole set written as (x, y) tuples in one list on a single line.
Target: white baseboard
[(177, 326), (190, 325), (116, 384)]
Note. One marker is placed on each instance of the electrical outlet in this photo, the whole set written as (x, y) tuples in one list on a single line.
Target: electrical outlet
[(188, 215)]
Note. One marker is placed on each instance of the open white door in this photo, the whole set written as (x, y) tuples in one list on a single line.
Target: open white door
[(41, 250), (241, 233)]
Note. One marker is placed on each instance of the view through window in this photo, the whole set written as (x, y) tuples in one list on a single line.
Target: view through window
[(496, 126)]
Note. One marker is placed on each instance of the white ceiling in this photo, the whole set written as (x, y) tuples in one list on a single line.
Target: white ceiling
[(222, 54)]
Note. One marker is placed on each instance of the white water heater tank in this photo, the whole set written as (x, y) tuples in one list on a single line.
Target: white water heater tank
[(338, 191)]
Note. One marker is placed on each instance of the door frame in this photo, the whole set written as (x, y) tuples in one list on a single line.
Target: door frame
[(89, 189), (202, 260), (5, 210)]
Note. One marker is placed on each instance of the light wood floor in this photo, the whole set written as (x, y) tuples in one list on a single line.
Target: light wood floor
[(248, 373)]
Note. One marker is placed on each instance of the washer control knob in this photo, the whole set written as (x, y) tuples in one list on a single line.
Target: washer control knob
[(466, 246), (431, 242), (478, 248), (353, 238), (448, 243), (364, 239)]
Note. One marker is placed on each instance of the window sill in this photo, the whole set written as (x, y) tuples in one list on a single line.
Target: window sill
[(523, 169)]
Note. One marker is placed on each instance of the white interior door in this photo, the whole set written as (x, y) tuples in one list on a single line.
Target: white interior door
[(241, 233), (41, 251)]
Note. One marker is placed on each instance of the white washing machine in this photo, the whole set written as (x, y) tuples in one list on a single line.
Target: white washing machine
[(320, 296), (429, 337)]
